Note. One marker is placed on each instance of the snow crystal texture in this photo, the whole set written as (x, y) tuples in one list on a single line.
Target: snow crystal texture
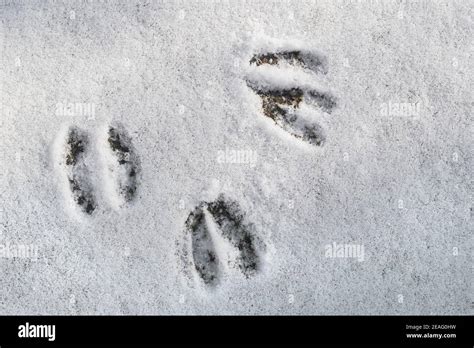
[(236, 157)]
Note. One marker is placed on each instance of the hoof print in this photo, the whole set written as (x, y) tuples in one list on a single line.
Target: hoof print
[(231, 225), (282, 105)]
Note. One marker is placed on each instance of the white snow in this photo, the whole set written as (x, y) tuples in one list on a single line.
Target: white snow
[(173, 74)]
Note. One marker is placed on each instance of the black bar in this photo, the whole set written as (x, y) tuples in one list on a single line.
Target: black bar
[(192, 330)]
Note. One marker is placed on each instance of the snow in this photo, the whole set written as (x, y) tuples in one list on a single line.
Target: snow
[(173, 74)]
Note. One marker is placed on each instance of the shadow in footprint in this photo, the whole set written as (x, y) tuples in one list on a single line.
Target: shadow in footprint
[(230, 220), (281, 106), (77, 143), (204, 255), (126, 164), (305, 60)]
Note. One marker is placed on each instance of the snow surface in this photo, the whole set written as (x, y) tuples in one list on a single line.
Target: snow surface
[(174, 74)]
